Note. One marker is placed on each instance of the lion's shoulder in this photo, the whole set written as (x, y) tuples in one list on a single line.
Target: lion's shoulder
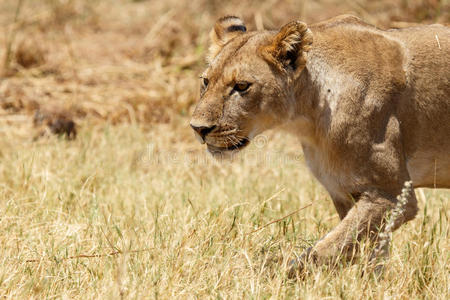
[(342, 20)]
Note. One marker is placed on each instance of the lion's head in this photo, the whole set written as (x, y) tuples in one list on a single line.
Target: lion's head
[(247, 85)]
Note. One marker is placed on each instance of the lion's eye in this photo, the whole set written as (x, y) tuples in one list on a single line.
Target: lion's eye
[(205, 82), (241, 86)]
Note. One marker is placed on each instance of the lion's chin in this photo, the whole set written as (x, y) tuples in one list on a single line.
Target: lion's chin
[(238, 146), (228, 152)]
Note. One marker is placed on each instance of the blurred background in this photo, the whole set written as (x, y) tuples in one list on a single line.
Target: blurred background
[(138, 61), (131, 205)]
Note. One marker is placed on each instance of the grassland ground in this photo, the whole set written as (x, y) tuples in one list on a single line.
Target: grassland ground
[(133, 207), (183, 225)]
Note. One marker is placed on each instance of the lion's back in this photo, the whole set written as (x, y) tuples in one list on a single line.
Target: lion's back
[(406, 72), (427, 68)]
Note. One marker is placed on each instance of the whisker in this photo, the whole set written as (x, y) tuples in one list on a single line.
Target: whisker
[(241, 137), (233, 140), (223, 133)]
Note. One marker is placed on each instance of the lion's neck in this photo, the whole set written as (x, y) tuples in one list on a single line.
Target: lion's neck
[(315, 102)]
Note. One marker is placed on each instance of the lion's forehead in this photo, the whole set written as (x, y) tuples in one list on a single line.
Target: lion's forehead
[(237, 57)]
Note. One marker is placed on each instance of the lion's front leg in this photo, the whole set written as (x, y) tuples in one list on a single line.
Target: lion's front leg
[(364, 219)]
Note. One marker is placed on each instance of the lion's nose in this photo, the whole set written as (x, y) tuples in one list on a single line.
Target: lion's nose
[(202, 131)]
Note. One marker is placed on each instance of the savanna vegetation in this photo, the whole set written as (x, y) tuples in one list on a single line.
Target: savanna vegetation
[(131, 206)]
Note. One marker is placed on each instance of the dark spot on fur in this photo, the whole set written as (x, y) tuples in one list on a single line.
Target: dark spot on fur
[(355, 196), (234, 28)]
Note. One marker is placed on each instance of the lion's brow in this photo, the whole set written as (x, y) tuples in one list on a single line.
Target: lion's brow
[(227, 59)]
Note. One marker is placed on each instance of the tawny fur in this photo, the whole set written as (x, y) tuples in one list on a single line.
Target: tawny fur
[(371, 108)]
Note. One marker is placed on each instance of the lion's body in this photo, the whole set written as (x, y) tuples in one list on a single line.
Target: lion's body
[(381, 97), (378, 76), (371, 107)]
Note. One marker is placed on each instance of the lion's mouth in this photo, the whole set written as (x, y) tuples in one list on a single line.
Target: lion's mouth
[(236, 146)]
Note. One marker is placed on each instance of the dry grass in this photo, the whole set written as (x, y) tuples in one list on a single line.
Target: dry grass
[(121, 189), (133, 208)]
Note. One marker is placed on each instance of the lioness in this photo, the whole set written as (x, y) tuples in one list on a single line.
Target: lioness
[(371, 107)]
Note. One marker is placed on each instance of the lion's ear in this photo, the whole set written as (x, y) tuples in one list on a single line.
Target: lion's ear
[(225, 29), (289, 46)]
